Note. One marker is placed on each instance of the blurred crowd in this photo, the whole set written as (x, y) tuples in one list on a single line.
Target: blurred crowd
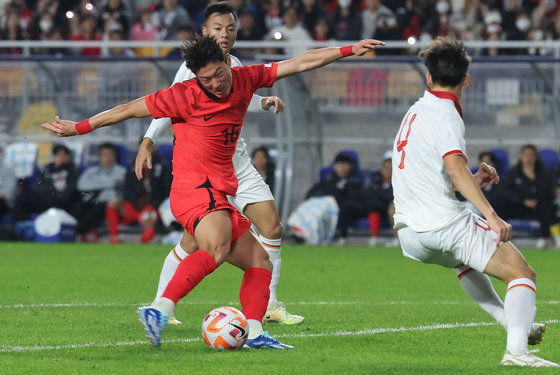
[(320, 20)]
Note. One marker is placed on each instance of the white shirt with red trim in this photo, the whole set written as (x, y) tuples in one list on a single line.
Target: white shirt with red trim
[(423, 191)]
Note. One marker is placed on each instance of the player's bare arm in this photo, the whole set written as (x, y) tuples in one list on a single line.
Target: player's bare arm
[(144, 156), (317, 58), (135, 109), (465, 183)]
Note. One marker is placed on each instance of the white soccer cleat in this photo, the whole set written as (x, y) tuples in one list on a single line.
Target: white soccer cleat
[(527, 359), (276, 312), (537, 333), (174, 321)]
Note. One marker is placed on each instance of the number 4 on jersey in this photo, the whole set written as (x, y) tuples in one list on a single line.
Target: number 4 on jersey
[(401, 143)]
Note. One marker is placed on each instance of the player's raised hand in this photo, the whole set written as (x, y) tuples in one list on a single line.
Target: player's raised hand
[(366, 45), (502, 228), (273, 101), (62, 128), (144, 156), (486, 175)]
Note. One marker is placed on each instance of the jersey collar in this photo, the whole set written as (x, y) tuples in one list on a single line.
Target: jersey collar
[(208, 93), (450, 96)]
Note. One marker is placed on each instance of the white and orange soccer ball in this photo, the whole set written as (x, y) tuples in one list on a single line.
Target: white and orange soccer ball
[(225, 328)]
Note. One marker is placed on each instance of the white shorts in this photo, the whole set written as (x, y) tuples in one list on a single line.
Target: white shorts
[(251, 186), (467, 240)]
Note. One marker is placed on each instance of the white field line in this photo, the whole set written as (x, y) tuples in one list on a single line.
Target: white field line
[(366, 331), (235, 303)]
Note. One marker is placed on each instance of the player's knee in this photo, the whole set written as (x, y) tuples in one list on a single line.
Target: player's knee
[(273, 231), (188, 244), (219, 252)]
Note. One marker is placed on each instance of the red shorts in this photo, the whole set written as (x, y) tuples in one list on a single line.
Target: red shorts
[(189, 206)]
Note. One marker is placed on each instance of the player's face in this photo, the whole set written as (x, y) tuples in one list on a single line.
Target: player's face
[(222, 27), (216, 78)]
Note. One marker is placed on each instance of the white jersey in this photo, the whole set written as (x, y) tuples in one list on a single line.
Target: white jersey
[(423, 191), (241, 156)]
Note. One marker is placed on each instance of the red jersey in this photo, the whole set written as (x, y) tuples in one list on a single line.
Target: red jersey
[(207, 127)]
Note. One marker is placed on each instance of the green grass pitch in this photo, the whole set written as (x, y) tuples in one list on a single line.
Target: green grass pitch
[(70, 309)]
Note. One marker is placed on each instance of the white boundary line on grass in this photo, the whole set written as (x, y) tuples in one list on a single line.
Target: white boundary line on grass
[(235, 303), (367, 331)]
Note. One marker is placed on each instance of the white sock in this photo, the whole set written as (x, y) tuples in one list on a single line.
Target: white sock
[(479, 287), (255, 328), (170, 265), (520, 307), (165, 305), (273, 248)]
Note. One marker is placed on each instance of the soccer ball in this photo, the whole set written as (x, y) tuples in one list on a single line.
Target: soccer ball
[(225, 328)]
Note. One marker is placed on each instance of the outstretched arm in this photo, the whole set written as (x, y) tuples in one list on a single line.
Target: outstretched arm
[(64, 128), (465, 183), (317, 58)]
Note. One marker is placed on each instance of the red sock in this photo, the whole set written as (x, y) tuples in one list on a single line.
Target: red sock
[(254, 292), (147, 235), (374, 223), (190, 272), (112, 216)]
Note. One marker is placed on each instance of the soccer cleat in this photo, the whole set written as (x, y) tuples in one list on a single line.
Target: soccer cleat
[(537, 333), (527, 359), (276, 312), (265, 341), (174, 321), (154, 322)]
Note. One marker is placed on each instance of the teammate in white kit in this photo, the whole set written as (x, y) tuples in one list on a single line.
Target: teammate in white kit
[(429, 163), (254, 198)]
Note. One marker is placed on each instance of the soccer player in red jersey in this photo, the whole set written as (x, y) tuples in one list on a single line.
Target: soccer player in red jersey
[(207, 115)]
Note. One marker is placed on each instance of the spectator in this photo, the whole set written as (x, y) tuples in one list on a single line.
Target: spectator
[(185, 33), (8, 187), (88, 31), (379, 200), (144, 28), (12, 31), (116, 35), (386, 30), (344, 21), (273, 10), (493, 31), (346, 188), (56, 187), (368, 17), (102, 185), (248, 27), (42, 26), (141, 199), (292, 31), (169, 18), (528, 192), (114, 16), (260, 158), (310, 12)]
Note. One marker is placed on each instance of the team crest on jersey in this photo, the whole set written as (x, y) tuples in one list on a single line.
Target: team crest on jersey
[(268, 65)]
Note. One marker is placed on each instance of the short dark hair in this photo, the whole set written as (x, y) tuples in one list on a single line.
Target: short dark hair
[(529, 146), (490, 155), (262, 149), (447, 61), (107, 145), (201, 52), (60, 148), (221, 7)]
